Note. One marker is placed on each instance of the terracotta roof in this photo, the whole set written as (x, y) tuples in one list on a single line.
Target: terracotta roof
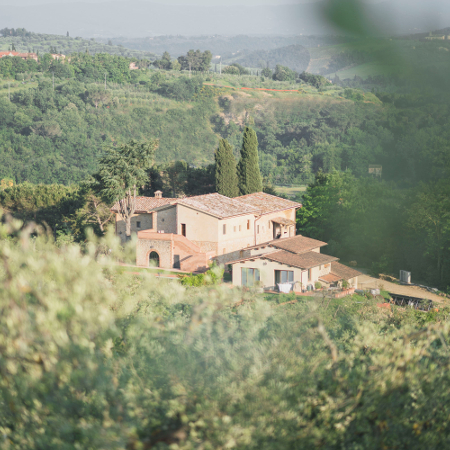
[(302, 261), (330, 278), (297, 244), (218, 205), (267, 203), (147, 204), (283, 221), (343, 272)]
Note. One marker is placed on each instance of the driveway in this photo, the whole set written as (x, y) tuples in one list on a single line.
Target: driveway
[(366, 282)]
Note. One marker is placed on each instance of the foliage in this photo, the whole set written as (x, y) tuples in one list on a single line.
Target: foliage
[(295, 57), (95, 358), (182, 89), (282, 73), (235, 69), (226, 175), (122, 171), (196, 60), (249, 175), (210, 278), (318, 81)]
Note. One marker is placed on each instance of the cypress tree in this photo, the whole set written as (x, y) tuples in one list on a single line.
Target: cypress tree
[(250, 180), (226, 176)]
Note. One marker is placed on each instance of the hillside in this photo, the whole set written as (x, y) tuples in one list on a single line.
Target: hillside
[(296, 57), (25, 41), (374, 57)]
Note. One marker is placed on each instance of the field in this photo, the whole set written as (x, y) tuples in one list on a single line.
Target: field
[(290, 191)]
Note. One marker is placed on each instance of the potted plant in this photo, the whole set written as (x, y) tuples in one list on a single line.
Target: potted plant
[(318, 286)]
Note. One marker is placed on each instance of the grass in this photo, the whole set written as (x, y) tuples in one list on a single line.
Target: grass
[(290, 191), (151, 270)]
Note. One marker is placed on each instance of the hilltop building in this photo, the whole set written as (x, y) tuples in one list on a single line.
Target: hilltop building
[(255, 234), (24, 56)]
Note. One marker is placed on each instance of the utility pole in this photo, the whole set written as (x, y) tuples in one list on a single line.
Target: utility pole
[(105, 80)]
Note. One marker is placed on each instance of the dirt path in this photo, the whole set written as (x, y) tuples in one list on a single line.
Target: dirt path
[(366, 282)]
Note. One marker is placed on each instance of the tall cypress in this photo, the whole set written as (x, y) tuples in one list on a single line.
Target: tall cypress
[(250, 180), (226, 176)]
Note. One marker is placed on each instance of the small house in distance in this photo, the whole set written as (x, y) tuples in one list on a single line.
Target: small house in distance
[(376, 170)]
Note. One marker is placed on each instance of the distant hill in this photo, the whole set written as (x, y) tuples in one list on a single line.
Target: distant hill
[(224, 45), (137, 18), (25, 41), (296, 57)]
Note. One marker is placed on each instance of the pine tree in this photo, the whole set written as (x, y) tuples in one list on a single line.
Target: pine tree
[(250, 180), (226, 176)]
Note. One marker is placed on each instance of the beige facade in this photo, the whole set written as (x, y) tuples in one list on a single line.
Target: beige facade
[(215, 225), (267, 269), (267, 228)]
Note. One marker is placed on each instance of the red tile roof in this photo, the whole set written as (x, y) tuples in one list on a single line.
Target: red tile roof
[(343, 272), (148, 204), (330, 278), (267, 203), (301, 261), (218, 205), (297, 244)]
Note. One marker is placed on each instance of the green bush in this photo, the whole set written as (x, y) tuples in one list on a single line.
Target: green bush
[(91, 357)]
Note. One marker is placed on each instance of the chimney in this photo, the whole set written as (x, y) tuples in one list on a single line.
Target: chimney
[(158, 194)]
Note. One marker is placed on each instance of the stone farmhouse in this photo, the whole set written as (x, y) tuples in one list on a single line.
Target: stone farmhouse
[(254, 234)]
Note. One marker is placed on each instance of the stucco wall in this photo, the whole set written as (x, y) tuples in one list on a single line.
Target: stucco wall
[(267, 272), (199, 226), (266, 225), (146, 221), (164, 248)]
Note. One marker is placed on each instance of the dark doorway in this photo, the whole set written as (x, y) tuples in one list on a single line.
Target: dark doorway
[(183, 229), (153, 259), (176, 262)]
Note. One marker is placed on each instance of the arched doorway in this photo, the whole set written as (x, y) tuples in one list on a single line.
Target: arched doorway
[(153, 259)]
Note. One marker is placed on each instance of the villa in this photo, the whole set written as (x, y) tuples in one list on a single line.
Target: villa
[(254, 235)]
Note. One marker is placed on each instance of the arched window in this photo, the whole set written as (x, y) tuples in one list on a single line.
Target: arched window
[(153, 259)]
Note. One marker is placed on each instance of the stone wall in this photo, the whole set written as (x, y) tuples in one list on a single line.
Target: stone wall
[(145, 222), (163, 247), (166, 220)]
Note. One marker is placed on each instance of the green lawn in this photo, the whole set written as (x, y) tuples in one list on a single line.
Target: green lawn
[(290, 191)]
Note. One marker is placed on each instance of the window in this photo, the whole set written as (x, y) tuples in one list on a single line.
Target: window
[(309, 274), (183, 229), (224, 228), (239, 227), (138, 224), (250, 276), (248, 224), (284, 276), (234, 229), (257, 228)]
